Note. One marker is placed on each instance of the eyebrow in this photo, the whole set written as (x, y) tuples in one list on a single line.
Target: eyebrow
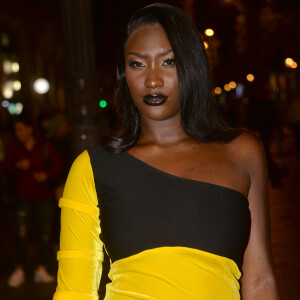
[(143, 56)]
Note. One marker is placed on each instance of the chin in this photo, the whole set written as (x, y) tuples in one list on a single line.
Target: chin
[(160, 116)]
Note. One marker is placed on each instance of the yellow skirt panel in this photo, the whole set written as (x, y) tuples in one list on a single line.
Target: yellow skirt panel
[(170, 273)]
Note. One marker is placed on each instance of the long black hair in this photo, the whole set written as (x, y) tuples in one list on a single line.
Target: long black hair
[(199, 116)]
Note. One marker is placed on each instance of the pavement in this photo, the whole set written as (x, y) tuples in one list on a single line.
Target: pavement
[(285, 226)]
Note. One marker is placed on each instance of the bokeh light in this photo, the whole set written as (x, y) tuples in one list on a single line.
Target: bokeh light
[(294, 65), (5, 103), (232, 84), (239, 91), (7, 67), (227, 87), (288, 61), (218, 90), (250, 77), (7, 90), (17, 85), (15, 67), (102, 103), (209, 32), (41, 86)]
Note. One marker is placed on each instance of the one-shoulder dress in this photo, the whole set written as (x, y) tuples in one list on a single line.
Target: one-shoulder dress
[(167, 237)]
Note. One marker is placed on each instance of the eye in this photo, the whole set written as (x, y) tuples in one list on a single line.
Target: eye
[(135, 64), (169, 62)]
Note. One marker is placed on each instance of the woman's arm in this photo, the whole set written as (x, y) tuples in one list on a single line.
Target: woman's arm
[(258, 281), (80, 256)]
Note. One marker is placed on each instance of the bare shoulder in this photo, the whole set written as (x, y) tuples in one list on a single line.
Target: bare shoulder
[(248, 149)]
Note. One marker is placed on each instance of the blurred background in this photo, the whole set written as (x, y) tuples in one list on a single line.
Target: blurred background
[(58, 65)]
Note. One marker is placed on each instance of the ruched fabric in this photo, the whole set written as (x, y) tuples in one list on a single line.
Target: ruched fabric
[(80, 256)]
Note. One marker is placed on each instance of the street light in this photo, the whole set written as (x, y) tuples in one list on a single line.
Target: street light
[(232, 84), (7, 90), (250, 77), (209, 32), (227, 87), (294, 65), (7, 66), (17, 85), (15, 67), (218, 90), (288, 61), (41, 86)]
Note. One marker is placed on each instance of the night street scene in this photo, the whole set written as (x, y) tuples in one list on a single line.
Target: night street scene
[(58, 62)]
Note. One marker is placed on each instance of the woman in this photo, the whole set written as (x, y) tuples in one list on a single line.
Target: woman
[(175, 192), (34, 162)]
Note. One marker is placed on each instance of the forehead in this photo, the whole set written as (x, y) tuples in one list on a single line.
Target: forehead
[(148, 38)]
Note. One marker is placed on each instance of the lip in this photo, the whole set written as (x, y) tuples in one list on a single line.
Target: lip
[(155, 99)]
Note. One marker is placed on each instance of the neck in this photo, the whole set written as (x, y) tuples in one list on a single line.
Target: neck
[(167, 132)]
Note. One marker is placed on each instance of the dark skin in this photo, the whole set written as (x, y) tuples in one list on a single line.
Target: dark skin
[(239, 165)]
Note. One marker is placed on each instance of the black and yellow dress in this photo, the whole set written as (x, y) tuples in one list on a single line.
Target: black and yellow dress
[(167, 237)]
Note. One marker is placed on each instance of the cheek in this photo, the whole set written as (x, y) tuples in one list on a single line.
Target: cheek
[(130, 82)]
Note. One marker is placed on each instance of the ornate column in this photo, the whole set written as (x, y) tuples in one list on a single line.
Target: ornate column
[(81, 78)]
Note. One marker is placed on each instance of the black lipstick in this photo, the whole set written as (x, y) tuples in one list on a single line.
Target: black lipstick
[(155, 99)]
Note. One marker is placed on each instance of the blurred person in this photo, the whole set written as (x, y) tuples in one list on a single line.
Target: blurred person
[(35, 162), (179, 199), (58, 131)]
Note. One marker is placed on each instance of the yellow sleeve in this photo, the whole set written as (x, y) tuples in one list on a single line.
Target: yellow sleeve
[(81, 250)]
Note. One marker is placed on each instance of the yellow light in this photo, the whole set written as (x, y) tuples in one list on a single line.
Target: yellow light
[(7, 67), (232, 84), (294, 65), (205, 45), (218, 90), (209, 32), (250, 77), (15, 67), (288, 62), (7, 92), (227, 87), (17, 85)]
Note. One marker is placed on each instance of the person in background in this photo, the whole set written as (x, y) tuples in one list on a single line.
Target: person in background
[(57, 129), (35, 163)]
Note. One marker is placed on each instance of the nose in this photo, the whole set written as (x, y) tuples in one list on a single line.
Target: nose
[(154, 79)]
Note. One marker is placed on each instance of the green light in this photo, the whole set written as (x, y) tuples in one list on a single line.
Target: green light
[(102, 103)]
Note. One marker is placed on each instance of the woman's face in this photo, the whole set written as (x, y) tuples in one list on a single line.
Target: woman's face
[(151, 73), (22, 131)]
